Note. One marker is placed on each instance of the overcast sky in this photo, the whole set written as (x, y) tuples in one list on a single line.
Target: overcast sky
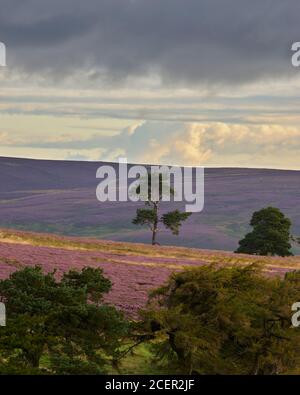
[(195, 82)]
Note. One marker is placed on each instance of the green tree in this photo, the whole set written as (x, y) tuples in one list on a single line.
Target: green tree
[(64, 321), (214, 320), (270, 234), (151, 216)]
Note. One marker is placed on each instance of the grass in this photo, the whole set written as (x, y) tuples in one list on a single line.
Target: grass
[(138, 361), (137, 249)]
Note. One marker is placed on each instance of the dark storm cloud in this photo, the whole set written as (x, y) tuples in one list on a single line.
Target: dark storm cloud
[(189, 41)]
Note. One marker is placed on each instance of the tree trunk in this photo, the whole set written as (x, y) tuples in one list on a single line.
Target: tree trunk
[(155, 225)]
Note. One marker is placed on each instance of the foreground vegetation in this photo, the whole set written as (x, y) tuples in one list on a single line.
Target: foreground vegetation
[(208, 320), (217, 320)]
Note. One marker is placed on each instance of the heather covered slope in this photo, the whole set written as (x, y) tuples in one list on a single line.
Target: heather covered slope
[(59, 197), (134, 269)]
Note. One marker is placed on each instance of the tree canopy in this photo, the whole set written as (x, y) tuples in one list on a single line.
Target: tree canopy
[(270, 234), (64, 321), (216, 320)]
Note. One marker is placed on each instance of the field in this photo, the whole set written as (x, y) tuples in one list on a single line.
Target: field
[(134, 269)]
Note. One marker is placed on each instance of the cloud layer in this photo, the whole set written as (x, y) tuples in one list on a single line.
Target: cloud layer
[(180, 41), (175, 143)]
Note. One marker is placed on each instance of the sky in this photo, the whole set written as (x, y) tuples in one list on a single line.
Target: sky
[(184, 82)]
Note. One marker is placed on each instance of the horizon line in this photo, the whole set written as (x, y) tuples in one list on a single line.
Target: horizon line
[(150, 164)]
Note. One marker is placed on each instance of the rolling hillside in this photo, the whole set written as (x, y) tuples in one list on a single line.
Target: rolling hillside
[(59, 197)]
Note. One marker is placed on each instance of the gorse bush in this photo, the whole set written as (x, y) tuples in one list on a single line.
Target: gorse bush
[(215, 320)]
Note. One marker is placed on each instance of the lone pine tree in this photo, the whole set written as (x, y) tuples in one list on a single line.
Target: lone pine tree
[(151, 216)]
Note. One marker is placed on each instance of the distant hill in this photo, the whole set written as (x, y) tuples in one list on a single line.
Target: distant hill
[(59, 197)]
